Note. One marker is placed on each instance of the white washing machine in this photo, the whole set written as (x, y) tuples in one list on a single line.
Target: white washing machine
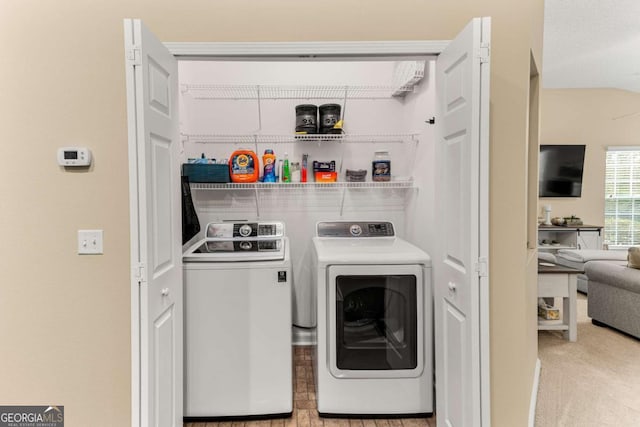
[(374, 325), (238, 360)]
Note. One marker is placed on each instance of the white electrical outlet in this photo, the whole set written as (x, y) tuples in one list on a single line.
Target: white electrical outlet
[(90, 241)]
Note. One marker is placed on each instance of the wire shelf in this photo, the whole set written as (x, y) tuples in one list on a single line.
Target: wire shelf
[(320, 138), (405, 184), (198, 91)]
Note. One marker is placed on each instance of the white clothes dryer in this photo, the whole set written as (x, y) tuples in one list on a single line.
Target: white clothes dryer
[(374, 325), (238, 360)]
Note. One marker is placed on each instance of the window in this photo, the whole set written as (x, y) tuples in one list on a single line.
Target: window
[(622, 196)]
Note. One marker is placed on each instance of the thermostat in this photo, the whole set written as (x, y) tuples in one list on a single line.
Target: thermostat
[(74, 156)]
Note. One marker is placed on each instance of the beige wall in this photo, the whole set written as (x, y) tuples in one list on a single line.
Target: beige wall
[(65, 318), (597, 118)]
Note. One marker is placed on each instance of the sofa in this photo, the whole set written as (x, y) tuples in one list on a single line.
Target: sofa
[(579, 258), (614, 294)]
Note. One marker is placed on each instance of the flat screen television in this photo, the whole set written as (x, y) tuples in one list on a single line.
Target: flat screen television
[(561, 169)]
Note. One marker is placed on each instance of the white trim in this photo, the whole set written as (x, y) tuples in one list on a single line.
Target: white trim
[(134, 227), (308, 49), (483, 227), (534, 395)]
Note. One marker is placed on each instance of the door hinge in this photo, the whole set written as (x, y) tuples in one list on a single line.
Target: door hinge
[(138, 272), (484, 52), (133, 56), (481, 267)]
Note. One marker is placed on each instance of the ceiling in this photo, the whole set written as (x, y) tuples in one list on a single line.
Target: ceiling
[(591, 44)]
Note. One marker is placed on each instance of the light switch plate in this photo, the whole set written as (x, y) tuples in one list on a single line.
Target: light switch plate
[(90, 242)]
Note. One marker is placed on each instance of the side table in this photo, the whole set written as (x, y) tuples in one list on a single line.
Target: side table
[(559, 281)]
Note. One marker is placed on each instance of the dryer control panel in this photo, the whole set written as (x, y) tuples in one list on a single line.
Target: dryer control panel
[(354, 229)]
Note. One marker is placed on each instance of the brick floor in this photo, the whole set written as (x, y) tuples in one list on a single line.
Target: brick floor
[(304, 405)]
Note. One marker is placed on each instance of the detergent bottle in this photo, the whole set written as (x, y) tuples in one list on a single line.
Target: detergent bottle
[(269, 164), (244, 166)]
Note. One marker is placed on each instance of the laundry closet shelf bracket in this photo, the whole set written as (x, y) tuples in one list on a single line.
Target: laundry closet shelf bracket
[(256, 191)]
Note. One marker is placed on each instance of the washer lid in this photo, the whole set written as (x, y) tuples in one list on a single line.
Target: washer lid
[(368, 251), (235, 250)]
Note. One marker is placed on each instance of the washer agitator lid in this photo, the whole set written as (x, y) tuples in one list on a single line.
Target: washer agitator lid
[(238, 242)]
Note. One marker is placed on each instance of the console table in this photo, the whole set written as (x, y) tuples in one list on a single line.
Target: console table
[(554, 237), (559, 281)]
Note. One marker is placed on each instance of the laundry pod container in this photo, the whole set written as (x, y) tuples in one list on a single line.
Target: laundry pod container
[(244, 166)]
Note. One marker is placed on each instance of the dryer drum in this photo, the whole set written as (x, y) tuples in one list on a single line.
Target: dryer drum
[(367, 305)]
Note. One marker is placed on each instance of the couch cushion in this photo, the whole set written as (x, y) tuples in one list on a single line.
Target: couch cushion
[(633, 257), (584, 255), (546, 257), (577, 258), (613, 274)]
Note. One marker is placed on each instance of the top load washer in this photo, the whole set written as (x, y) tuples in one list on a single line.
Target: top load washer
[(374, 321), (238, 360)]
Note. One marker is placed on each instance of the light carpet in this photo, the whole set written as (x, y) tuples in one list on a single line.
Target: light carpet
[(592, 382)]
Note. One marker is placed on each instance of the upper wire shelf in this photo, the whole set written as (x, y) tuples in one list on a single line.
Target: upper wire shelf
[(320, 138), (200, 91), (402, 184)]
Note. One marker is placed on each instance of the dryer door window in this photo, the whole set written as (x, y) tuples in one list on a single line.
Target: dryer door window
[(376, 321)]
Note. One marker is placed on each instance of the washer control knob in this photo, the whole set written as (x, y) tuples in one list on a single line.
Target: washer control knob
[(355, 230), (245, 230)]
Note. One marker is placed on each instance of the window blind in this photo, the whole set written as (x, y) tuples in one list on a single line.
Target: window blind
[(622, 196)]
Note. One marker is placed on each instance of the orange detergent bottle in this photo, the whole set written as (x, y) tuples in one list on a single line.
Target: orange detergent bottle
[(244, 166)]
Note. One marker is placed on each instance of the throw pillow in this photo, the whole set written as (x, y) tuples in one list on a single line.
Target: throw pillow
[(633, 258)]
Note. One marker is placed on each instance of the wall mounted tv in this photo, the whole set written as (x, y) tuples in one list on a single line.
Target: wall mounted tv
[(561, 169)]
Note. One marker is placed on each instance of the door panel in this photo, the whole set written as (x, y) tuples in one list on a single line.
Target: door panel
[(457, 201), (165, 372), (461, 93), (156, 241), (162, 221), (159, 85), (453, 323)]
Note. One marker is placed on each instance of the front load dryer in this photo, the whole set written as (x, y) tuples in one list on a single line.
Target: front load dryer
[(238, 360), (374, 327)]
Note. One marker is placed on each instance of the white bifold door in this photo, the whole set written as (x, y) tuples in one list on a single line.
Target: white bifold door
[(460, 266), (156, 230)]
